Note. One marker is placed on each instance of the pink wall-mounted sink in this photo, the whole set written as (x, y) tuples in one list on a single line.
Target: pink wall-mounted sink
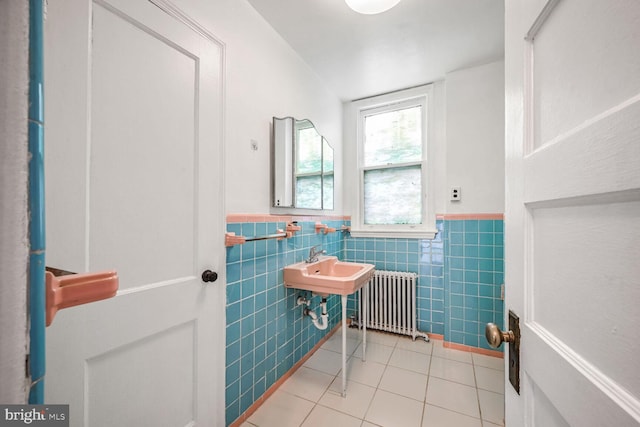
[(328, 276)]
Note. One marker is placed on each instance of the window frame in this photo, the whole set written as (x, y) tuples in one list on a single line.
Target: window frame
[(421, 96)]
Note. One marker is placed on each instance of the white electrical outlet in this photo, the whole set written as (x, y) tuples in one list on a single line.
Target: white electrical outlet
[(456, 194)]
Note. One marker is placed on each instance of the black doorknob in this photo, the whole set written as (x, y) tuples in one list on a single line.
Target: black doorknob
[(209, 276)]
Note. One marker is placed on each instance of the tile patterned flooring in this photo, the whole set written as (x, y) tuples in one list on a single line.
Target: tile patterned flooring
[(402, 384)]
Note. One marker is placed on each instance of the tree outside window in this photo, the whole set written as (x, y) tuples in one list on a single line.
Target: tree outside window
[(392, 165)]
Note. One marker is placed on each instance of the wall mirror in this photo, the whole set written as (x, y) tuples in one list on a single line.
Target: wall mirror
[(302, 166)]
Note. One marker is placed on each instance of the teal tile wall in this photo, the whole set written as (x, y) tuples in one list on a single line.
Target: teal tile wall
[(474, 273), (266, 334), (421, 256), (459, 278)]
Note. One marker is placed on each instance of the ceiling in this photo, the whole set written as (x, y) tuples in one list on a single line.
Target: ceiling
[(416, 42)]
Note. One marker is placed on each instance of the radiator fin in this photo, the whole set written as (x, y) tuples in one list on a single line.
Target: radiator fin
[(392, 303)]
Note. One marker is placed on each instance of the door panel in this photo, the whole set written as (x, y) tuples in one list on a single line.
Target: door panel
[(544, 412), (168, 348), (148, 206), (560, 282), (573, 210), (583, 54), (136, 206)]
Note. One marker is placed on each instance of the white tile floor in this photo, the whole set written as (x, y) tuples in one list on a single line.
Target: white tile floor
[(402, 384)]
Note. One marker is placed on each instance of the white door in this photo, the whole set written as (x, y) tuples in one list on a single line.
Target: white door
[(133, 133), (573, 210)]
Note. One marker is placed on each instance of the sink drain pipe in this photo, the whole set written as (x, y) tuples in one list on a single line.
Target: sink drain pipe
[(321, 324)]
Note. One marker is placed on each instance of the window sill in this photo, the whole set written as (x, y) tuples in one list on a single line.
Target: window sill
[(397, 234)]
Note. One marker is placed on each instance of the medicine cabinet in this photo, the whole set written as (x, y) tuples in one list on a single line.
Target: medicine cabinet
[(302, 166)]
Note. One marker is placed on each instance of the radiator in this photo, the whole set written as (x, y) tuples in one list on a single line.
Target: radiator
[(392, 304)]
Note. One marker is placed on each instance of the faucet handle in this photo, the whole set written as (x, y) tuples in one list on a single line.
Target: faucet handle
[(313, 254)]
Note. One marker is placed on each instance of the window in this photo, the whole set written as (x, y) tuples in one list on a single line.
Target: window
[(392, 140), (392, 165)]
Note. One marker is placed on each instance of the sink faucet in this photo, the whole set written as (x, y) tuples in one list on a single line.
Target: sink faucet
[(313, 254)]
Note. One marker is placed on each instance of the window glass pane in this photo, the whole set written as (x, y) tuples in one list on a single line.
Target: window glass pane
[(393, 137), (308, 192), (393, 196), (327, 181), (308, 151)]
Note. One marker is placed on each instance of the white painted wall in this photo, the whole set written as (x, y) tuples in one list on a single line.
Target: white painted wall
[(467, 142), (14, 247), (438, 149), (475, 139), (264, 78)]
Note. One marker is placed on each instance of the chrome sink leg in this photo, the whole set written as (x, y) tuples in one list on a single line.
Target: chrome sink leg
[(344, 345), (364, 324)]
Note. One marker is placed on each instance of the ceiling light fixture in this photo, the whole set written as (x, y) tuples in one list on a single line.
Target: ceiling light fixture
[(371, 7)]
